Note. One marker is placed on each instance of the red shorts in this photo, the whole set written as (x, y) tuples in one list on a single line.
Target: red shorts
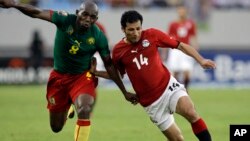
[(63, 89)]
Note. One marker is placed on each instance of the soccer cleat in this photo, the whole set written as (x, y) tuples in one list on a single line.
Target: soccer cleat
[(71, 112)]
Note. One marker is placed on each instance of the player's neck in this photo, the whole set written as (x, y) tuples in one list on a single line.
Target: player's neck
[(181, 20), (80, 30), (125, 40)]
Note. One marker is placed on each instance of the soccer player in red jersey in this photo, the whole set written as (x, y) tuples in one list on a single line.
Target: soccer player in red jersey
[(159, 93), (77, 39), (184, 30)]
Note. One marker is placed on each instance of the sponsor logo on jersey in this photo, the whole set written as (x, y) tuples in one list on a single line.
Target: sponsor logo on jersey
[(145, 43), (91, 41)]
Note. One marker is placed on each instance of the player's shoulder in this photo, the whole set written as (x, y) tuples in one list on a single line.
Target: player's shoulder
[(96, 31), (151, 31), (64, 15), (173, 23), (119, 44), (190, 21), (95, 28)]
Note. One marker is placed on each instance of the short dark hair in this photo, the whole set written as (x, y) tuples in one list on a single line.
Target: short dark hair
[(130, 16)]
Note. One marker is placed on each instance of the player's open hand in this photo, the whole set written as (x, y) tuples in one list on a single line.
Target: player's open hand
[(131, 97), (208, 64), (7, 3), (93, 65)]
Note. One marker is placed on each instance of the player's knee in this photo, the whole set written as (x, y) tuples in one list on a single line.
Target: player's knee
[(84, 111), (178, 137), (191, 115)]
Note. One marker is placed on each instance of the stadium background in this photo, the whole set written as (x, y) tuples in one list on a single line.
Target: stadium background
[(223, 35)]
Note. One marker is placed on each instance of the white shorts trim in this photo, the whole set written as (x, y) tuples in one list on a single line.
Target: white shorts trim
[(161, 111)]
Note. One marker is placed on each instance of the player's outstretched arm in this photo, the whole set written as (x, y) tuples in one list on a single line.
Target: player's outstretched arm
[(205, 63), (7, 3), (27, 9), (115, 76)]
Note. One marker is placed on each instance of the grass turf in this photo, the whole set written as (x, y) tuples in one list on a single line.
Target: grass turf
[(24, 116)]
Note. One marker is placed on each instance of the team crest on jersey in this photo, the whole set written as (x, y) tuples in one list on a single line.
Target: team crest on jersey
[(63, 13), (70, 30), (145, 43), (91, 41)]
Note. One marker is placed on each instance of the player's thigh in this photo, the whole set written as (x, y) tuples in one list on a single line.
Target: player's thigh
[(173, 133), (58, 101), (185, 108)]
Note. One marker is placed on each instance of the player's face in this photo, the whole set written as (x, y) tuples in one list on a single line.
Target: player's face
[(86, 17), (182, 11), (133, 31)]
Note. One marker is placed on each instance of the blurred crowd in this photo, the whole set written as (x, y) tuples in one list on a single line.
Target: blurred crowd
[(222, 4)]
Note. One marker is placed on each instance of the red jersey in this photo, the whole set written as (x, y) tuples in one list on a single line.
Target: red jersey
[(182, 31), (142, 62)]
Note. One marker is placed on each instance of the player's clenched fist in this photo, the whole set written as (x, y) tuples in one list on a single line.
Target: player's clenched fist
[(7, 3)]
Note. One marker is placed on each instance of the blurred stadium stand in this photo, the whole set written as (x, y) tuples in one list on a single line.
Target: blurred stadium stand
[(224, 39)]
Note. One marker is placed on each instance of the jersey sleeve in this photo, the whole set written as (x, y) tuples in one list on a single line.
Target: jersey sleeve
[(164, 40), (59, 17), (102, 44)]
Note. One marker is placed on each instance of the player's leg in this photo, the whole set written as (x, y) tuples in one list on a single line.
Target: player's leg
[(186, 78), (185, 108), (84, 104), (176, 75), (58, 101), (58, 105), (83, 94), (71, 112), (57, 120), (173, 133), (161, 114), (187, 68)]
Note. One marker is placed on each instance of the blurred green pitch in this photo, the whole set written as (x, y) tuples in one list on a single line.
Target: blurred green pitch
[(24, 117)]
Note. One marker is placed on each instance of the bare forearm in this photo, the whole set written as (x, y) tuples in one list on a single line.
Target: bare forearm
[(189, 50), (115, 76), (102, 74), (33, 12), (28, 10)]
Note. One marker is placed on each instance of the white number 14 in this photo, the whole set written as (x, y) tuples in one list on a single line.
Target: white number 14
[(141, 61)]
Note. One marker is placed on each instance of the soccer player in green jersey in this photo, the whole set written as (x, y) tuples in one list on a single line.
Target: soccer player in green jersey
[(77, 39)]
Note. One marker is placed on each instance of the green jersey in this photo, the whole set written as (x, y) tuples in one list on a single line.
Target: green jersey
[(73, 51)]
